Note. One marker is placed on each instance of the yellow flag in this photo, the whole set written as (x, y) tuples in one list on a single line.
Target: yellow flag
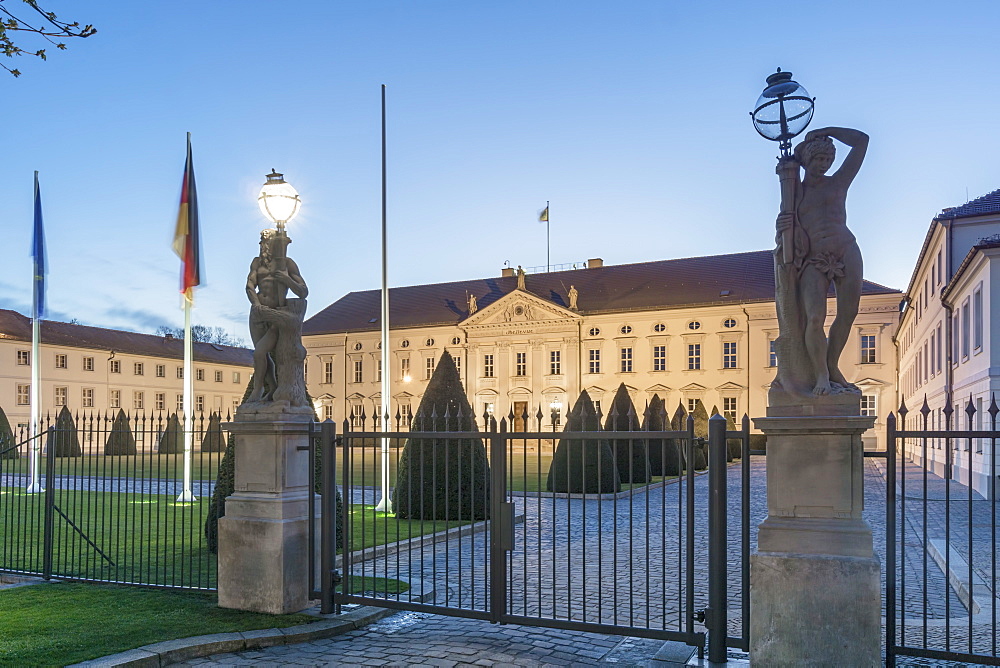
[(543, 217)]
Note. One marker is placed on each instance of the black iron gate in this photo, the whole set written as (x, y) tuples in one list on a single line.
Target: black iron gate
[(573, 545)]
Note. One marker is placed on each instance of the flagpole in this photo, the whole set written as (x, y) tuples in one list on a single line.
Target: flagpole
[(385, 504), (548, 239), (186, 496), (38, 269)]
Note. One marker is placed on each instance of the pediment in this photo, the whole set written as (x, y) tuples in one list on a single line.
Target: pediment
[(325, 397), (402, 395), (521, 310), (869, 382), (357, 396), (731, 387), (693, 387), (657, 388), (595, 391)]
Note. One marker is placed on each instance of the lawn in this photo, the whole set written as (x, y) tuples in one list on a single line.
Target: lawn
[(56, 624), (204, 466)]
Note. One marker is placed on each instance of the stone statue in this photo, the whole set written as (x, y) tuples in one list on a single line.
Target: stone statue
[(815, 249), (276, 328), (573, 294), (520, 278), (472, 304)]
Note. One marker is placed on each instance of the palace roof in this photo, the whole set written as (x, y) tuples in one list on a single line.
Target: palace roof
[(981, 206), (737, 278)]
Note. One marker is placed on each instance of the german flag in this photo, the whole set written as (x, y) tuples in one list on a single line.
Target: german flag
[(187, 237)]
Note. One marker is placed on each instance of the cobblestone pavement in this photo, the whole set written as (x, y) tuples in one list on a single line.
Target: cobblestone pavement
[(558, 570)]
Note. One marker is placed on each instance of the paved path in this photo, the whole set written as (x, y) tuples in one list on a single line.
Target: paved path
[(409, 638)]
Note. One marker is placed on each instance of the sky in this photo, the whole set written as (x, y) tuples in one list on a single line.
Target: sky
[(630, 117)]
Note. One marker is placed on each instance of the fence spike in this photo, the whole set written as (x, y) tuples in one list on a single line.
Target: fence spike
[(970, 410), (925, 409), (993, 409), (902, 410), (632, 417)]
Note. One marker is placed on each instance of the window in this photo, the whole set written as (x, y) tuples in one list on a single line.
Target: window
[(868, 349), (728, 354), (116, 366), (236, 376), (456, 341), (88, 397), (218, 376), (937, 353), (138, 400), (328, 412), (23, 395), (555, 362), (868, 405), (694, 356), (729, 408), (24, 357), (138, 369), (597, 407), (61, 361), (595, 331), (458, 363), (115, 398), (199, 374), (429, 368), (626, 360), (160, 401), (88, 363), (626, 329), (429, 342), (931, 359), (161, 370), (966, 326), (772, 356), (977, 319), (594, 360), (694, 324), (692, 405), (358, 346), (955, 330), (926, 360), (180, 403), (940, 274), (404, 344), (488, 365), (61, 394), (659, 327), (199, 403), (521, 364), (659, 358), (729, 323), (378, 371), (180, 372), (357, 415), (236, 403), (404, 368), (358, 371)]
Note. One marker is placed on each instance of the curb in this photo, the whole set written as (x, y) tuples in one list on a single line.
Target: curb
[(169, 652)]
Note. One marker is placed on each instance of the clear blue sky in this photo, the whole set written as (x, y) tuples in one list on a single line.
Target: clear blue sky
[(631, 117)]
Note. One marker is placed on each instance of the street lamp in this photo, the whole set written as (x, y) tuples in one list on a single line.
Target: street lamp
[(278, 200), (556, 408), (782, 111)]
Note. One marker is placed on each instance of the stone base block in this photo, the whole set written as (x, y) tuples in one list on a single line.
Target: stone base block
[(813, 610), (263, 560)]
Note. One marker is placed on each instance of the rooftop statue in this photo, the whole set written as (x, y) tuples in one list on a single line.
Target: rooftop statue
[(823, 251), (276, 328)]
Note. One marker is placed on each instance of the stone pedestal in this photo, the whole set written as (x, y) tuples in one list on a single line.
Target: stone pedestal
[(814, 582), (264, 536)]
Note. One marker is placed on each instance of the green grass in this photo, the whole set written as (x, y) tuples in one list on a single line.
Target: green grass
[(369, 527), (57, 624), (204, 465)]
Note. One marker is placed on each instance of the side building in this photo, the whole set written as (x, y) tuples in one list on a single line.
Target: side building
[(949, 352), (92, 369), (688, 329)]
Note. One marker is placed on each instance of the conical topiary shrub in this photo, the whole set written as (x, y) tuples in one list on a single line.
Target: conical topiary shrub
[(664, 457), (586, 465), (63, 439), (213, 440), (729, 456), (172, 437), (679, 423), (630, 454), (700, 416), (7, 447), (121, 440), (443, 478)]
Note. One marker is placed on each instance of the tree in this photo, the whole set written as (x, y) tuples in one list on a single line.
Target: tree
[(63, 439), (202, 333), (121, 440), (48, 27), (679, 423), (443, 478), (7, 447), (213, 440), (664, 456), (583, 465), (630, 454), (172, 437)]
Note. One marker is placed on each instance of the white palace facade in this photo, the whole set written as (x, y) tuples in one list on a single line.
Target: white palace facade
[(687, 329)]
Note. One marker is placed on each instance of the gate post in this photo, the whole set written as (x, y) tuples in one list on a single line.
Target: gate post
[(498, 497), (328, 515), (716, 617)]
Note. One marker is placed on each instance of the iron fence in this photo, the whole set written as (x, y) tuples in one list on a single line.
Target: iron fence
[(104, 499)]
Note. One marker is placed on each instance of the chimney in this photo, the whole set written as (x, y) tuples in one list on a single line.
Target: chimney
[(168, 336), (594, 263), (507, 271)]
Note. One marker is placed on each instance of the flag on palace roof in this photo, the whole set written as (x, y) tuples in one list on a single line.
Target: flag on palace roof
[(187, 236)]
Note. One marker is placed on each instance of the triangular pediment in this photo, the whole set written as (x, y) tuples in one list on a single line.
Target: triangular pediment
[(658, 388), (521, 309), (730, 387), (693, 387), (869, 382), (595, 392), (402, 395), (325, 397), (356, 396)]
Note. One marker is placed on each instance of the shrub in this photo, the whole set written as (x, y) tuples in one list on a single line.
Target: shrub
[(63, 440), (729, 450), (630, 454), (213, 440), (679, 423), (664, 457), (734, 446), (7, 448), (583, 465), (758, 442), (700, 416), (443, 478), (172, 437), (121, 440)]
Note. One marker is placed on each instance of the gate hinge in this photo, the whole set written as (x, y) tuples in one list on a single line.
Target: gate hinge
[(335, 577), (700, 440), (700, 615)]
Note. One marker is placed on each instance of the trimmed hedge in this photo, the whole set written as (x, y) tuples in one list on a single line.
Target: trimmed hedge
[(665, 459), (172, 437), (630, 454), (64, 441), (679, 423), (443, 478), (213, 440), (729, 426), (121, 440), (6, 438), (587, 465)]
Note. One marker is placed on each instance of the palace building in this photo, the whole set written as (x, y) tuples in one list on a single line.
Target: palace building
[(687, 329)]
